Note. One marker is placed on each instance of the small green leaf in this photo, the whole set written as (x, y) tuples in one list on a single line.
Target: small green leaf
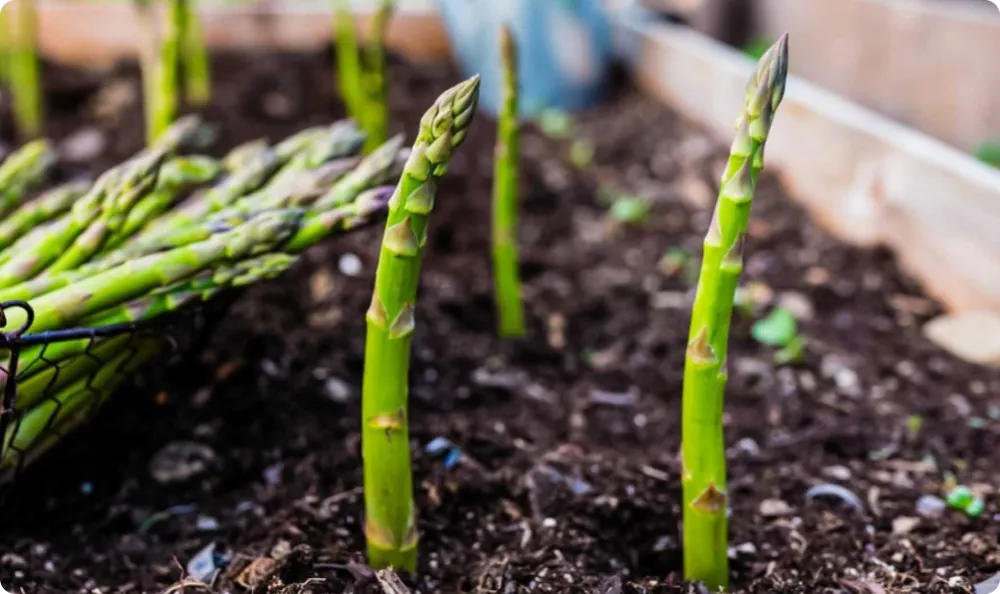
[(777, 329), (630, 209), (989, 153), (960, 497), (793, 352), (975, 508)]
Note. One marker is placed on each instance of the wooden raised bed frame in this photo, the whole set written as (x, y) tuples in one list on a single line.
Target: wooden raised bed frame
[(866, 178)]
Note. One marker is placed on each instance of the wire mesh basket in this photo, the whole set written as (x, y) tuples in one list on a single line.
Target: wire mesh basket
[(54, 382)]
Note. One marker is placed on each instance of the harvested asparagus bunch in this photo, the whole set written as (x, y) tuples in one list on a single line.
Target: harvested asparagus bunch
[(128, 248), (390, 523), (705, 373)]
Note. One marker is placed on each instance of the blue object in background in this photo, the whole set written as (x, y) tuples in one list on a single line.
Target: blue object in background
[(564, 49)]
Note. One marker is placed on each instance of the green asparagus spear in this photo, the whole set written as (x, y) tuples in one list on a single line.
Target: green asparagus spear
[(176, 176), (55, 374), (167, 72), (506, 278), (390, 525), (46, 207), (24, 170), (63, 307), (138, 178), (374, 79), (25, 79), (243, 154), (705, 371), (5, 48), (375, 169), (197, 77), (349, 67), (319, 225)]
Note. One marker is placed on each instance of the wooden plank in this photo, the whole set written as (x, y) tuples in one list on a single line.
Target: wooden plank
[(865, 178), (926, 63), (98, 34)]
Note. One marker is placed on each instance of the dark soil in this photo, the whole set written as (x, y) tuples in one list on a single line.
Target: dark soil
[(568, 479)]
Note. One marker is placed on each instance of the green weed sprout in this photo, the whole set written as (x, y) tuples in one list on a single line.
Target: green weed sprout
[(361, 71), (506, 278), (703, 450), (390, 523), (23, 70)]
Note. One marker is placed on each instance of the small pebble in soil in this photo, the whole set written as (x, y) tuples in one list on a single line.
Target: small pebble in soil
[(206, 524), (930, 506), (179, 461), (337, 390), (349, 265), (772, 508), (83, 146), (904, 524), (207, 563), (836, 492)]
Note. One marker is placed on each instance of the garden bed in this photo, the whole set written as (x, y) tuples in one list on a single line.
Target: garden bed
[(569, 480)]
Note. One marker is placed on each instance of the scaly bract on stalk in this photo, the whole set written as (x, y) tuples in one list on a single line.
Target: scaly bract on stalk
[(390, 522), (705, 495), (506, 278)]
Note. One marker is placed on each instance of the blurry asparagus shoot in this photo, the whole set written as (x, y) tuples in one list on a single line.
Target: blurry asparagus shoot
[(390, 517), (361, 69), (506, 277), (705, 497), (22, 67)]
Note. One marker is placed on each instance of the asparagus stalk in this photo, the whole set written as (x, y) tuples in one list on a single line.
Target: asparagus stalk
[(705, 371), (349, 67), (166, 73), (25, 79), (375, 169), (5, 48), (197, 77), (63, 307), (506, 277), (390, 526), (55, 374), (22, 171), (242, 154), (318, 225), (374, 79), (95, 226), (46, 207)]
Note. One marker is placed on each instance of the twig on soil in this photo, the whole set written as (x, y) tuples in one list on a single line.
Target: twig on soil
[(390, 582), (186, 583)]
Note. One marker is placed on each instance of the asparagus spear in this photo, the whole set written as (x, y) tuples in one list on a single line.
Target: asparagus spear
[(243, 154), (705, 372), (348, 56), (374, 74), (22, 171), (63, 307), (167, 73), (25, 80), (318, 225), (5, 48), (176, 176), (375, 169), (46, 207), (390, 526), (510, 309), (55, 374), (138, 178), (197, 81)]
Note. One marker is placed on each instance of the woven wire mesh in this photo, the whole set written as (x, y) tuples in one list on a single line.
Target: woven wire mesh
[(55, 382)]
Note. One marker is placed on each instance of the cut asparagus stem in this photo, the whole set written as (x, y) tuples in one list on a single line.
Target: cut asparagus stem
[(705, 371), (510, 309), (390, 523)]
